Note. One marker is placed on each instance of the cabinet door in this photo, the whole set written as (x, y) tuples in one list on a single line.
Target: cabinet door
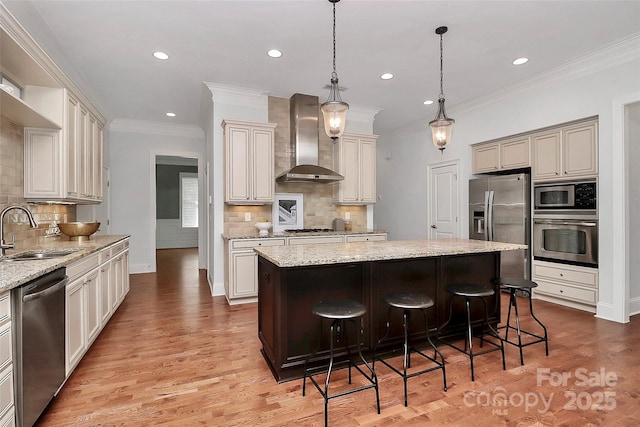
[(546, 155), (74, 323), (514, 153), (486, 158), (43, 174), (88, 159), (238, 167), (580, 150), (262, 165), (117, 271), (83, 126), (71, 130), (97, 162), (125, 273), (92, 305), (113, 283), (349, 169), (244, 274), (106, 297), (368, 170)]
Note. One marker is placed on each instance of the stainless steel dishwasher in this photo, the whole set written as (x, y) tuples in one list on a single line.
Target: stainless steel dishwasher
[(39, 353)]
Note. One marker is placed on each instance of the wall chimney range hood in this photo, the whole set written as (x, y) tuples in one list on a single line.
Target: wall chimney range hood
[(305, 141)]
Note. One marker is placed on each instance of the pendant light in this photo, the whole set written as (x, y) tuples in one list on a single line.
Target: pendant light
[(334, 110), (442, 125)]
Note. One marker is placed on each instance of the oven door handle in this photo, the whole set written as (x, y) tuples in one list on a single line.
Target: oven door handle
[(576, 223)]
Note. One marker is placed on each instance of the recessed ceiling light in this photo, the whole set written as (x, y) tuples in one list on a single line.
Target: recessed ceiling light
[(520, 61), (428, 102), (171, 114), (386, 76), (160, 55), (274, 53)]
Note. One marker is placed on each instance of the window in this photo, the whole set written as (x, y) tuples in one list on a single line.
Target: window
[(189, 200)]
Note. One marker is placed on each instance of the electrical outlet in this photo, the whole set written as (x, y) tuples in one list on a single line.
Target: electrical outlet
[(247, 216), (347, 215)]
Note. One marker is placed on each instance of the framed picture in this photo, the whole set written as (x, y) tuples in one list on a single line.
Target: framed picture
[(287, 212)]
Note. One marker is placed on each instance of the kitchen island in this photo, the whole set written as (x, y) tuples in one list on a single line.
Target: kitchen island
[(291, 279)]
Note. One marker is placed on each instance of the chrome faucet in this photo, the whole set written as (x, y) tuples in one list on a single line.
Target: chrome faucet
[(32, 223)]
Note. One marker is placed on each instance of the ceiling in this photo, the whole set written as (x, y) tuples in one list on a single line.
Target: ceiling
[(107, 46)]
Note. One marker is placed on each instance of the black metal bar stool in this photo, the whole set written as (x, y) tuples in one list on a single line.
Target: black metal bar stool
[(339, 312), (515, 284), (407, 301), (470, 292)]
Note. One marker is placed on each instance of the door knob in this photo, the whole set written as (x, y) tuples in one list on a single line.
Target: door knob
[(433, 226)]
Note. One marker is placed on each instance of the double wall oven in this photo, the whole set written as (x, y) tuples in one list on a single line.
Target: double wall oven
[(565, 223)]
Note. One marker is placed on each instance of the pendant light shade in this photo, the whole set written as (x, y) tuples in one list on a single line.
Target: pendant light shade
[(441, 126), (334, 110)]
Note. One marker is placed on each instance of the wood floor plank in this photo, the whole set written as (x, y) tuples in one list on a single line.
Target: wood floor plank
[(172, 355)]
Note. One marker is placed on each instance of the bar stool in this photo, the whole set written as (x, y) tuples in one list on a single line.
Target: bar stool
[(407, 301), (339, 312), (515, 284), (470, 292)]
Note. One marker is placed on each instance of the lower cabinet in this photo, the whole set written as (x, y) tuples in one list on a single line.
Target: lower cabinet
[(96, 288), (569, 285), (241, 268), (6, 362)]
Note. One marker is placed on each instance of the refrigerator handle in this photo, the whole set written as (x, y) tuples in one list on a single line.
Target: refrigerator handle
[(487, 220), (490, 216)]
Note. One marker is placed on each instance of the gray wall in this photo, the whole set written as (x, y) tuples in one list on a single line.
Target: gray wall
[(168, 190)]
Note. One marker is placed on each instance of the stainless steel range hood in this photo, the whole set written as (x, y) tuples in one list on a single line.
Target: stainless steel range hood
[(305, 141)]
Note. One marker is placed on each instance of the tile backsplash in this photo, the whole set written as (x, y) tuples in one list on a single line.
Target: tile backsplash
[(319, 210), (12, 190)]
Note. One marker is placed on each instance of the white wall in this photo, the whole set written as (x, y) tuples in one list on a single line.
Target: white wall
[(132, 157), (587, 87), (224, 102), (633, 143)]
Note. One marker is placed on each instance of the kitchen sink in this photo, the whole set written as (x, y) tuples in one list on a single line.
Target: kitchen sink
[(38, 255)]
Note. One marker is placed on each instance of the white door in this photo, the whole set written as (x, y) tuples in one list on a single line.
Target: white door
[(443, 201)]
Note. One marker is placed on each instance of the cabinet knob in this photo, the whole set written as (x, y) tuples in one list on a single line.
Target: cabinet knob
[(433, 226)]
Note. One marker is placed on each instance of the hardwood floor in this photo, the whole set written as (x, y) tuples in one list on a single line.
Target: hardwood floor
[(174, 356)]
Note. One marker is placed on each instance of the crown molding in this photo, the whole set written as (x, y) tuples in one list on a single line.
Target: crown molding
[(154, 128), (234, 95)]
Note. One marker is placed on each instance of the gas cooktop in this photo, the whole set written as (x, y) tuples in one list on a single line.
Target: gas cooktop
[(308, 230)]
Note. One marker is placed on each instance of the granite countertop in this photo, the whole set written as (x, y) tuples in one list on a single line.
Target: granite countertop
[(16, 273), (229, 236), (335, 253)]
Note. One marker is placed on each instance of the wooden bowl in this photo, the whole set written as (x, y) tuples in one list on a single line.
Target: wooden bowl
[(78, 230)]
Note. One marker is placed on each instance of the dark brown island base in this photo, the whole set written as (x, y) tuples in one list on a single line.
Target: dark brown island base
[(291, 279)]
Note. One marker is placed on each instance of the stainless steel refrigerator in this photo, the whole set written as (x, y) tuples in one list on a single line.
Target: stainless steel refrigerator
[(500, 211)]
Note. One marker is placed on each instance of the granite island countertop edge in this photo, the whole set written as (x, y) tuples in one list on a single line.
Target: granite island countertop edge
[(338, 253)]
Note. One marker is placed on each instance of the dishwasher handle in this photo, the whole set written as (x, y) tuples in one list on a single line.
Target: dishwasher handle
[(48, 289)]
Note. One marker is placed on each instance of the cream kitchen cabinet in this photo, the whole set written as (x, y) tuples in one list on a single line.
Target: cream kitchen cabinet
[(241, 268), (569, 151), (82, 315), (6, 359), (65, 165), (49, 110), (512, 153), (354, 157), (314, 240), (377, 237), (249, 162), (97, 286), (570, 285)]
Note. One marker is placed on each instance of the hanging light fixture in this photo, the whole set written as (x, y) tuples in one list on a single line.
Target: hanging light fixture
[(334, 110), (442, 125)]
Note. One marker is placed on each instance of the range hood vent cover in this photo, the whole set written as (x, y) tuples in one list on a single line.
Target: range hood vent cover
[(305, 141)]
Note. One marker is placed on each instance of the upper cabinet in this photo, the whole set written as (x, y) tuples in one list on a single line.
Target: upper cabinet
[(494, 156), (249, 162), (63, 131), (569, 151), (354, 157)]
